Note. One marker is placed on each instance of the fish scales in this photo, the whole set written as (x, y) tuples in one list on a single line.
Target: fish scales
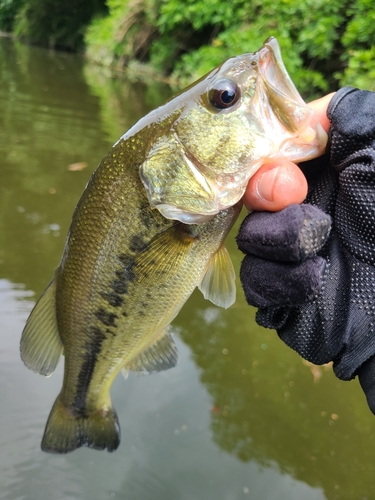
[(99, 245), (149, 228), (104, 327)]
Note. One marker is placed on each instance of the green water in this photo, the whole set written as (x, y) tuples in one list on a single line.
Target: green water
[(240, 417)]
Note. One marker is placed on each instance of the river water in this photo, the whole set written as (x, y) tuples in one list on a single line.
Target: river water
[(240, 417)]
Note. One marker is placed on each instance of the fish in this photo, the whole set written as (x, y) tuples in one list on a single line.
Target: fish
[(150, 228)]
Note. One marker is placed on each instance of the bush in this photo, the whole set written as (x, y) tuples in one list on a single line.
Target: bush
[(127, 33), (8, 12), (56, 23), (186, 39), (324, 44)]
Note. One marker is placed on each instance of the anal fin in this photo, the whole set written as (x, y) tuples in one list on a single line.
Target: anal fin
[(160, 356), (41, 346)]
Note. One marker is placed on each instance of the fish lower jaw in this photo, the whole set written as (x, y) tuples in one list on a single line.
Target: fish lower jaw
[(310, 142), (297, 152)]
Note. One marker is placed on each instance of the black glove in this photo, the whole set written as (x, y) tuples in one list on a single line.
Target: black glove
[(318, 291)]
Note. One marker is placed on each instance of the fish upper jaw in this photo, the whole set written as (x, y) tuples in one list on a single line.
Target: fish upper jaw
[(282, 113)]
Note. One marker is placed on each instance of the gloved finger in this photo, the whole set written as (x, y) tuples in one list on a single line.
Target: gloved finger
[(291, 235), (366, 375), (267, 283)]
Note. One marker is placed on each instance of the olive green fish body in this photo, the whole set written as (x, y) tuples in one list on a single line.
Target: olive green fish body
[(113, 222), (149, 228), (124, 275), (130, 273)]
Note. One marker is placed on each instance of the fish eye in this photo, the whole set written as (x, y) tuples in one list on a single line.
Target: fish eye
[(224, 94)]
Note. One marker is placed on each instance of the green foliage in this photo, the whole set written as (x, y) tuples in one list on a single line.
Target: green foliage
[(54, 23), (101, 45), (359, 44), (199, 14), (317, 26), (125, 34), (360, 71), (324, 44), (194, 64), (8, 12), (360, 32)]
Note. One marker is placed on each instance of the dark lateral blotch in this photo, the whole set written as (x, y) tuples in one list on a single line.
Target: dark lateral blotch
[(113, 299), (92, 351), (137, 243), (107, 318), (125, 259), (120, 285)]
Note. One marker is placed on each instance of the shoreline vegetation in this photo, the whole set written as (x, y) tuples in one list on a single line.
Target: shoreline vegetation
[(325, 45)]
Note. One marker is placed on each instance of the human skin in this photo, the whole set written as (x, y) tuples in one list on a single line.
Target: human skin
[(280, 183)]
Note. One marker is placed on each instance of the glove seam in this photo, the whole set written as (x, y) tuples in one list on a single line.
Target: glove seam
[(337, 98), (365, 155)]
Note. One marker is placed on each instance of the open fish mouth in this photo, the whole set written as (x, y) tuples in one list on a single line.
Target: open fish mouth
[(299, 136), (241, 114)]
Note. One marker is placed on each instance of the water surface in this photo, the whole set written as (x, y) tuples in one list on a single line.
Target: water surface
[(240, 417)]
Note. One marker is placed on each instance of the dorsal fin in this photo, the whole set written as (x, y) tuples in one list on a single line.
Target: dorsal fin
[(218, 283), (41, 346), (159, 356)]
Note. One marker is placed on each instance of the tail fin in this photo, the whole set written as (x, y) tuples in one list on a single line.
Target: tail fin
[(65, 432)]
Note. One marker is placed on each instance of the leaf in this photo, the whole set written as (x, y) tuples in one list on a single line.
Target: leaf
[(75, 167)]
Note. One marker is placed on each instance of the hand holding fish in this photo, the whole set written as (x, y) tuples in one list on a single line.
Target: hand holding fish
[(316, 287)]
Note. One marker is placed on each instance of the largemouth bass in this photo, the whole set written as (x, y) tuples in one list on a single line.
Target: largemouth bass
[(150, 228)]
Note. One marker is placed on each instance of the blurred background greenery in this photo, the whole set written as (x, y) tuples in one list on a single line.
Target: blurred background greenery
[(325, 45)]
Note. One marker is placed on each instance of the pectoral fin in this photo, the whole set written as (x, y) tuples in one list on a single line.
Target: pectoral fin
[(160, 356), (218, 283), (163, 256), (41, 346)]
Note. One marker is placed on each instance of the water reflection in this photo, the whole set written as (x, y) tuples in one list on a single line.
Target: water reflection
[(45, 125), (267, 407), (50, 119), (240, 417), (122, 101)]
